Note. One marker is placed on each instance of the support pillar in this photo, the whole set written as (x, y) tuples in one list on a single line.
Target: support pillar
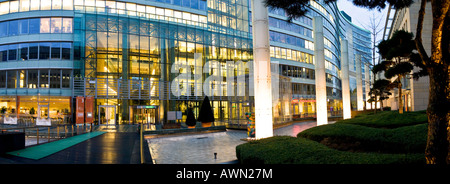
[(321, 87), (359, 90), (346, 103), (262, 75), (367, 85)]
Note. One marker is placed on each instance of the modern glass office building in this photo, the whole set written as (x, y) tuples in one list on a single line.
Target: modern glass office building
[(148, 61)]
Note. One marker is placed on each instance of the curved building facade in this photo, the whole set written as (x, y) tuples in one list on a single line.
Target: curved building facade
[(148, 61)]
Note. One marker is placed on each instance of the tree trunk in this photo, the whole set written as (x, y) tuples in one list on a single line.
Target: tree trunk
[(400, 98), (438, 111), (436, 151)]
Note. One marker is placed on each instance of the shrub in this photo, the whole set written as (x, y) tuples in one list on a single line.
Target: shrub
[(291, 150), (388, 119), (352, 137)]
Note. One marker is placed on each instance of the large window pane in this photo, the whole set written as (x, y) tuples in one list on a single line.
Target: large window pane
[(67, 4), (12, 79), (23, 51), (45, 25), (2, 78), (23, 26), (12, 52), (32, 78), (4, 7), (65, 48), (56, 25), (44, 50), (24, 5), (13, 28), (46, 4), (4, 53), (13, 6), (3, 29), (65, 78), (55, 51), (55, 78), (43, 78), (56, 4), (34, 25), (22, 78), (34, 6), (67, 25), (33, 51)]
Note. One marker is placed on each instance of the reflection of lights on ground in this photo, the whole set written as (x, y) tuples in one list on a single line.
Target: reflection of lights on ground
[(200, 148)]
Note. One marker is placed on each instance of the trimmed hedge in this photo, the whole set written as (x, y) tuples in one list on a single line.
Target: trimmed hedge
[(350, 137), (291, 150), (388, 119), (384, 138)]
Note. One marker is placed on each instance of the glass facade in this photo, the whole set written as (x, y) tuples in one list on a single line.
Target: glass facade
[(165, 54)]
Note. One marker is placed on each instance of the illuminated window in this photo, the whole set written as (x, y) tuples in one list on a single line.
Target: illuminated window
[(4, 7), (13, 6), (56, 25), (46, 4), (24, 5), (57, 4), (67, 25), (67, 4), (186, 16), (89, 2)]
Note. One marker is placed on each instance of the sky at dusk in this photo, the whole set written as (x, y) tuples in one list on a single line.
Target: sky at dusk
[(361, 16)]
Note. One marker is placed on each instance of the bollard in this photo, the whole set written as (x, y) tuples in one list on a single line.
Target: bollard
[(37, 135)]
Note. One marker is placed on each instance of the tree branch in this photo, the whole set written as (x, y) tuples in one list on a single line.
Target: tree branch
[(423, 54)]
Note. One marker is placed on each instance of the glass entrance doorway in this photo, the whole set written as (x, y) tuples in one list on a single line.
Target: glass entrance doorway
[(146, 115), (107, 114)]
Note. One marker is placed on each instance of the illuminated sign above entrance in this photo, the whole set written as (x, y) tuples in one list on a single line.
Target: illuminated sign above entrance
[(146, 107)]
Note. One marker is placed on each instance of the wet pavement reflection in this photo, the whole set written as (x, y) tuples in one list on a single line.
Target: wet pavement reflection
[(200, 148)]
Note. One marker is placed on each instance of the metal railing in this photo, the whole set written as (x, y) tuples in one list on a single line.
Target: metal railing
[(35, 135)]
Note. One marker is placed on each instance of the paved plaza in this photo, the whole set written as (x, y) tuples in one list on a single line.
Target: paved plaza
[(200, 148)]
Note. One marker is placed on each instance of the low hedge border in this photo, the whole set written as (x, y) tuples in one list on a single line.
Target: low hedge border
[(291, 150)]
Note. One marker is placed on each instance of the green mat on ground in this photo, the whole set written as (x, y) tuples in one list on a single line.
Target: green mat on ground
[(43, 150)]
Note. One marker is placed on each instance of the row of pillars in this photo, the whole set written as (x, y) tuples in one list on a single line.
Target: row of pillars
[(262, 76)]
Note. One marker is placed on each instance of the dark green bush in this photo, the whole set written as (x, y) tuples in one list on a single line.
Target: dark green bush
[(367, 139), (291, 150), (388, 119)]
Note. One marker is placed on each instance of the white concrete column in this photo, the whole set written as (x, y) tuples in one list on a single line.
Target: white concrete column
[(346, 104), (367, 85), (262, 76), (321, 86), (359, 90)]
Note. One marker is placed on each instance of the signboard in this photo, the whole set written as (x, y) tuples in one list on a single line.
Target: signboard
[(79, 110), (174, 115), (89, 109), (146, 107), (171, 115)]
